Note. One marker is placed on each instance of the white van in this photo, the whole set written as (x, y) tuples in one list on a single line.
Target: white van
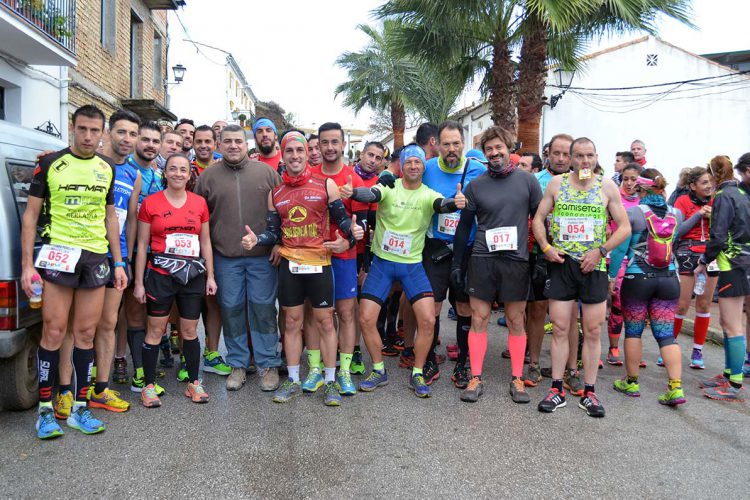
[(20, 326)]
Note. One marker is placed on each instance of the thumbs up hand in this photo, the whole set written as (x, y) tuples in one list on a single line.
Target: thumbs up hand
[(347, 189), (357, 230), (250, 239), (459, 199)]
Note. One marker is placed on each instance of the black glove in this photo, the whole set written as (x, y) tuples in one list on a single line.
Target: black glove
[(457, 279), (387, 179)]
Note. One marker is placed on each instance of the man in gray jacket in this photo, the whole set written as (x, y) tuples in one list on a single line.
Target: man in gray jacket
[(236, 191)]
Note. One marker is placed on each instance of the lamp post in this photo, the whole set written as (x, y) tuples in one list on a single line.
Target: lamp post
[(564, 80), (178, 70)]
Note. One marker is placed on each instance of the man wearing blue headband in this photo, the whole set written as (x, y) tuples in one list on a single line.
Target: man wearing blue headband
[(264, 132), (404, 214)]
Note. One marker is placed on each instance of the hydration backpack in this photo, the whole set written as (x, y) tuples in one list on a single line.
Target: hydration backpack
[(659, 242)]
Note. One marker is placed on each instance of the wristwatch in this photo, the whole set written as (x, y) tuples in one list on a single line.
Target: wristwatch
[(603, 251)]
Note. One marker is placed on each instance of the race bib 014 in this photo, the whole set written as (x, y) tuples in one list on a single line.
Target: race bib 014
[(396, 244)]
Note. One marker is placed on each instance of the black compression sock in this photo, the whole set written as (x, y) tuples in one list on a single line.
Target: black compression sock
[(557, 384), (588, 388), (150, 356), (463, 325), (192, 351), (47, 366), (83, 359), (100, 387)]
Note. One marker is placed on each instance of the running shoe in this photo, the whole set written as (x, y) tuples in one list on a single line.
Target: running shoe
[(473, 390), (214, 363), (431, 372), (613, 356), (314, 381), (548, 328), (150, 396), (746, 369), (632, 389), (108, 400), (501, 321), (374, 380), (505, 354), (726, 392), (83, 420), (332, 396), (659, 361), (288, 391), (718, 381), (696, 360), (518, 391), (196, 392), (138, 384), (120, 375), (601, 364), (358, 366), (167, 361), (406, 360), (452, 314), (345, 384), (399, 344), (460, 376), (546, 372), (591, 404), (389, 349), (46, 426), (63, 405), (174, 340), (452, 350), (554, 400), (673, 397), (182, 373), (418, 384), (533, 376), (572, 382), (642, 364)]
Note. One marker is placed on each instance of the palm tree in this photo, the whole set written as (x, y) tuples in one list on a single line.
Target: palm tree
[(475, 39), (384, 80)]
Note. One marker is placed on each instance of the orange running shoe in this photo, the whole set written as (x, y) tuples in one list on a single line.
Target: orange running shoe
[(196, 392), (149, 399)]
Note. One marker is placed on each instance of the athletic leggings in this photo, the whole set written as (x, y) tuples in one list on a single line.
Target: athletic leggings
[(654, 297), (614, 323)]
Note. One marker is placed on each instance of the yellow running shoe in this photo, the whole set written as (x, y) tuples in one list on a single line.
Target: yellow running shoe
[(63, 405), (108, 400)]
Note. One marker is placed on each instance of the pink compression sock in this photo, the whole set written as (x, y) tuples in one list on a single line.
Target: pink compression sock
[(517, 347), (477, 350)]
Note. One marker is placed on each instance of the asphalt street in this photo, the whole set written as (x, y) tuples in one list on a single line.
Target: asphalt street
[(391, 444)]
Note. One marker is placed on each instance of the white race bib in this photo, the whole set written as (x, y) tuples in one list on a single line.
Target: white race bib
[(713, 267), (502, 238), (296, 268), (58, 258), (122, 217), (447, 223), (577, 228), (186, 245), (395, 243)]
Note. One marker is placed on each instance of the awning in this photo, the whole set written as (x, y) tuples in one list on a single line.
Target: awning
[(148, 109)]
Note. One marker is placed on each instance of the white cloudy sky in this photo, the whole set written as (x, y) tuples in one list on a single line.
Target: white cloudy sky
[(287, 49)]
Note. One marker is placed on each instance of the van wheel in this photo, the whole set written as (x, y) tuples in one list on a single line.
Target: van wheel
[(19, 390)]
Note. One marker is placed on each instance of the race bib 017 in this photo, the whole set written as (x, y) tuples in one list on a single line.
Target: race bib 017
[(501, 238)]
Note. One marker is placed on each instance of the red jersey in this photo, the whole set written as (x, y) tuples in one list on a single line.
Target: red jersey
[(351, 206), (174, 230), (272, 162), (304, 221), (699, 232)]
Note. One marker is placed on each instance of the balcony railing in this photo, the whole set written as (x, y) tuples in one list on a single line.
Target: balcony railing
[(55, 18)]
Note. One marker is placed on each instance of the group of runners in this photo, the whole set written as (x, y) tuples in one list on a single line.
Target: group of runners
[(150, 230)]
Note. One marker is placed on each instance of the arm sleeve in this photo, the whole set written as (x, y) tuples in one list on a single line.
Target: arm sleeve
[(619, 252), (367, 195), (461, 238), (686, 225), (272, 234), (340, 217), (444, 205), (722, 215), (535, 195)]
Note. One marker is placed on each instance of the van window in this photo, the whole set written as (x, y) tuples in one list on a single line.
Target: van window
[(20, 174)]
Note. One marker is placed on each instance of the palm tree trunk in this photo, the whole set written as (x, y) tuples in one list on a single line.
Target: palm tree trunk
[(532, 75), (398, 121), (502, 87)]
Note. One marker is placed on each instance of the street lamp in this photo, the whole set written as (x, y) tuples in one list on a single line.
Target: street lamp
[(563, 79), (179, 72)]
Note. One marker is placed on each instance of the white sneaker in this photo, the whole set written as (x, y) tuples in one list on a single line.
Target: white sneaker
[(236, 379), (269, 379)]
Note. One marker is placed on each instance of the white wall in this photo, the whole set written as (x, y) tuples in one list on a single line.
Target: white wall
[(678, 133), (35, 95)]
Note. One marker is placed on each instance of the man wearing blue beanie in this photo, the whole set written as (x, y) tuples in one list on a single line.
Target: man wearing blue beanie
[(264, 132)]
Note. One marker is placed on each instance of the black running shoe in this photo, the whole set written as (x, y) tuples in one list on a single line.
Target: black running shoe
[(461, 376), (591, 404), (554, 400)]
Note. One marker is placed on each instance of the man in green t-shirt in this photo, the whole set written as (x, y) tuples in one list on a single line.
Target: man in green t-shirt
[(404, 214)]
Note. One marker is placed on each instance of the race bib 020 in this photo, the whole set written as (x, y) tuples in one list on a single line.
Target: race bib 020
[(185, 245), (447, 223), (58, 258), (501, 238), (396, 244)]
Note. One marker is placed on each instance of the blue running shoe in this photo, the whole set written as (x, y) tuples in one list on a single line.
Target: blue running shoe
[(345, 384), (419, 386), (501, 321), (452, 314), (374, 380), (696, 360), (83, 420), (288, 391), (333, 398), (46, 425), (313, 382)]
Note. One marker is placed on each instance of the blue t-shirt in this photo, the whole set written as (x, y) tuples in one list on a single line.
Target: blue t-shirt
[(151, 180), (544, 176), (125, 176), (443, 226)]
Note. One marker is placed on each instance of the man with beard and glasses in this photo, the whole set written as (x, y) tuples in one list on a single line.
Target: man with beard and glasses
[(264, 132), (501, 199), (186, 128)]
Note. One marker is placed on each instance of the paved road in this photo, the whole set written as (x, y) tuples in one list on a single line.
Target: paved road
[(389, 444)]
